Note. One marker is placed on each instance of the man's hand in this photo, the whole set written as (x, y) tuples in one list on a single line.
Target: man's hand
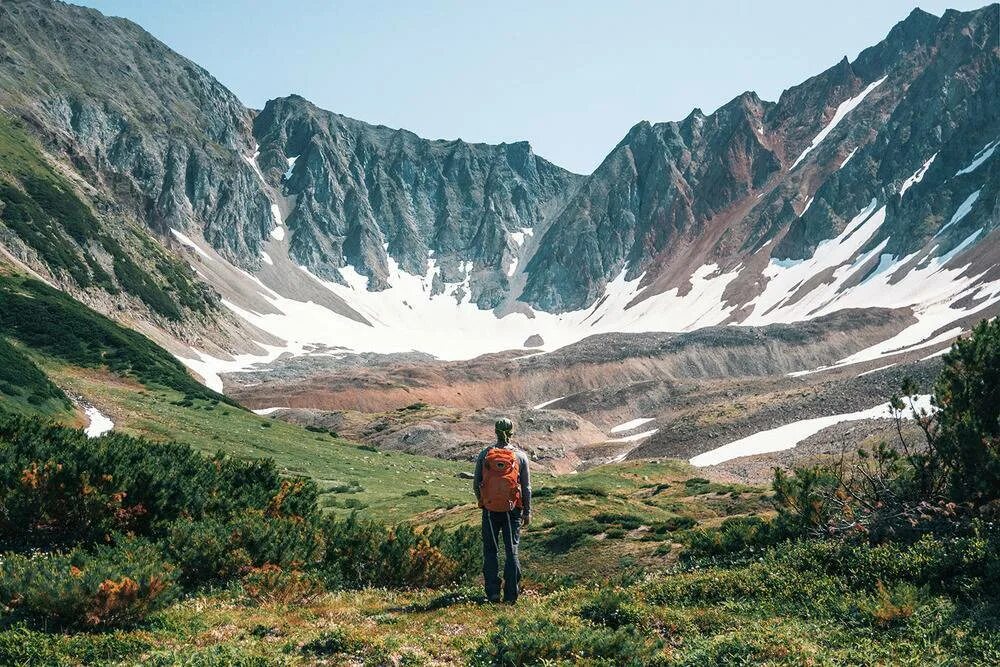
[(526, 519)]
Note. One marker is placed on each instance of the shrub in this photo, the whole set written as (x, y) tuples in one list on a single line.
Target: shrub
[(967, 434), (626, 521), (336, 642), (271, 584), (363, 552), (416, 493), (893, 605), (112, 587), (216, 549), (613, 608), (58, 488), (542, 640), (733, 535), (672, 524), (565, 536)]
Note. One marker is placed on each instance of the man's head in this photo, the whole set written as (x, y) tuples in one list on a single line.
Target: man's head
[(504, 428)]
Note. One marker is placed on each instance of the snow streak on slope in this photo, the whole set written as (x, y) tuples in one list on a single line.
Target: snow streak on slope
[(789, 435), (927, 284), (963, 210), (631, 425), (982, 156), (917, 175), (845, 108), (185, 240)]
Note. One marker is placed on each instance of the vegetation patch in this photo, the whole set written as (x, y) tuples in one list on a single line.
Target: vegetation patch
[(52, 323)]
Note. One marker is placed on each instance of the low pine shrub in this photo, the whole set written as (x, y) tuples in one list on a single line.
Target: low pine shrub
[(271, 584), (335, 643), (672, 524), (565, 536), (734, 535), (613, 608), (893, 605), (363, 552), (217, 549), (111, 587), (554, 641), (626, 521)]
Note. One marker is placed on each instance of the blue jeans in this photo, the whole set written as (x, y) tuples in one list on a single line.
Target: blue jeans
[(508, 526)]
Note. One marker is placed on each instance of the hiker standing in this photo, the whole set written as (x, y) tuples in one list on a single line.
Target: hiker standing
[(502, 485)]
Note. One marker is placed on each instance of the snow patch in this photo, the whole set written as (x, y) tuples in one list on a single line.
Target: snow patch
[(848, 158), (636, 437), (546, 403), (917, 175), (267, 258), (845, 108), (874, 370), (98, 425), (291, 166), (961, 212), (263, 412), (982, 156), (790, 435), (184, 240), (630, 425), (278, 233)]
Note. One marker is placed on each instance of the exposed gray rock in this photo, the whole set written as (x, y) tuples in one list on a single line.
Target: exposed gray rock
[(364, 193), (138, 121)]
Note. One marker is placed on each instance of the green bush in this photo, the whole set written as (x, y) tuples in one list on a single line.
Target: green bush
[(218, 550), (57, 487), (336, 642), (19, 376), (553, 641), (613, 608), (212, 519), (111, 587), (567, 535), (363, 552), (966, 438), (672, 524), (626, 521), (735, 534)]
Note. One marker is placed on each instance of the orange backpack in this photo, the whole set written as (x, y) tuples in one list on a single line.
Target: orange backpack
[(500, 490)]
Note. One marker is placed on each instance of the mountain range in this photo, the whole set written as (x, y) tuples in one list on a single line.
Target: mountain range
[(135, 181)]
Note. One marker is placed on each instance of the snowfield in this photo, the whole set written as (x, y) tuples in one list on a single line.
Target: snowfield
[(448, 325)]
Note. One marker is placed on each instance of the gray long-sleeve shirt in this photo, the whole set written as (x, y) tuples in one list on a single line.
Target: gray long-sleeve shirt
[(524, 475)]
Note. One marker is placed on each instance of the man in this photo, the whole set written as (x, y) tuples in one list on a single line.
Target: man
[(502, 485)]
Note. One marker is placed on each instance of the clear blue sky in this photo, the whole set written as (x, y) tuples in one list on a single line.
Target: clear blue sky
[(569, 76)]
